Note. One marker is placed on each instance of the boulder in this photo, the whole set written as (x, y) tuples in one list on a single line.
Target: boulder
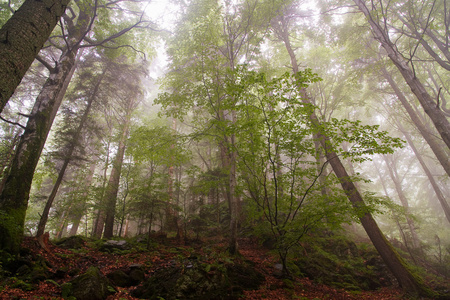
[(91, 285), (71, 242), (110, 245), (131, 276), (195, 280), (119, 278)]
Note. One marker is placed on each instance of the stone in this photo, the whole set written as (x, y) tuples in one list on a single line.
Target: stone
[(91, 285), (119, 278), (71, 242), (110, 245)]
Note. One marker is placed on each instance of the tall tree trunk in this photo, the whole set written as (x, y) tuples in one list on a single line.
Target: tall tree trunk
[(409, 282), (99, 221), (229, 164), (113, 185), (171, 214), (15, 194), (427, 135), (68, 157), (22, 37), (437, 190), (436, 115), (390, 164)]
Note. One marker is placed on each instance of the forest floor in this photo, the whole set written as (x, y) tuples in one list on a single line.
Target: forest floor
[(77, 261)]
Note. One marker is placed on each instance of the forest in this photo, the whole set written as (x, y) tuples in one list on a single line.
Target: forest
[(224, 149)]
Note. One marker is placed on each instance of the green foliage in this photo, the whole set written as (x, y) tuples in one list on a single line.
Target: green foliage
[(281, 176)]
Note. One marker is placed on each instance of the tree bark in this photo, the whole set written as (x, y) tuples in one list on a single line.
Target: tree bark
[(68, 157), (395, 263), (15, 194), (21, 39), (113, 184), (431, 109), (437, 149)]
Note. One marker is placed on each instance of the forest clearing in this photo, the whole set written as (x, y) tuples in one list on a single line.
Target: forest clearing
[(224, 149)]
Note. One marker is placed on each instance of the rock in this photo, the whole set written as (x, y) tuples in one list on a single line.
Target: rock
[(71, 242), (110, 245), (134, 275), (91, 285), (137, 275), (200, 281), (119, 278), (278, 271)]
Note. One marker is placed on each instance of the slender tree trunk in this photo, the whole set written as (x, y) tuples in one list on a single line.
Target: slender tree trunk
[(409, 282), (113, 185), (68, 158), (99, 222), (404, 201), (437, 149), (395, 263), (428, 104), (22, 37), (78, 209), (444, 204)]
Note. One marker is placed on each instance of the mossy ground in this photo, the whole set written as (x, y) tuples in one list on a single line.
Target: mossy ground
[(348, 272)]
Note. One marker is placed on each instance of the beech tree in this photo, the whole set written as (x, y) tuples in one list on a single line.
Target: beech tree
[(377, 16), (223, 35), (407, 280), (22, 37), (15, 194), (74, 141), (126, 96)]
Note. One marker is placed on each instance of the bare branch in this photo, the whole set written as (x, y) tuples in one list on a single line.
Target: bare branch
[(44, 63), (13, 123), (437, 98)]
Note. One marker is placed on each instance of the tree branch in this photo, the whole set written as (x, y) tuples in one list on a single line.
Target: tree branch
[(13, 123), (44, 63)]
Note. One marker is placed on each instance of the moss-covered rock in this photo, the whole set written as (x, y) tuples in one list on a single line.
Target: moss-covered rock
[(71, 242), (195, 280), (91, 285), (119, 278), (336, 261)]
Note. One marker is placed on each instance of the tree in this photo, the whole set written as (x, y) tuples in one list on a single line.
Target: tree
[(23, 36), (375, 19), (277, 161), (128, 95), (434, 144), (15, 194), (71, 147), (224, 34), (156, 149), (408, 281)]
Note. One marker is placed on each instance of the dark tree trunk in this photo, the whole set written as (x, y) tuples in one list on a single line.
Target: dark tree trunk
[(409, 282), (21, 39), (113, 184), (68, 158), (15, 194)]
